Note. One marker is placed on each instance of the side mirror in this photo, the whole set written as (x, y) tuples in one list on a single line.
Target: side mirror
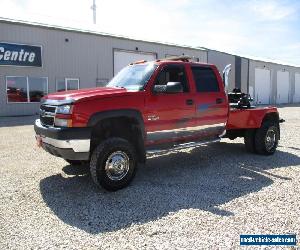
[(170, 88), (226, 72)]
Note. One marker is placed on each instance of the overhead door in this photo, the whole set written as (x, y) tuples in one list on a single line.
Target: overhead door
[(283, 87), (297, 88), (122, 58), (262, 86)]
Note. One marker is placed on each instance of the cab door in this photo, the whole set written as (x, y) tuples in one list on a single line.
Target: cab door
[(168, 115), (211, 109)]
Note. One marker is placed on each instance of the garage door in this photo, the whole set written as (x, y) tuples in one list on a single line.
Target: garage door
[(123, 58), (283, 87), (262, 86), (297, 88)]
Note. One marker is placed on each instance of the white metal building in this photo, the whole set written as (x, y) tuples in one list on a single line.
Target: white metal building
[(272, 83)]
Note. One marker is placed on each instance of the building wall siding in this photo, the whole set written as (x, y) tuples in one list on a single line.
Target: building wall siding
[(244, 77), (221, 60)]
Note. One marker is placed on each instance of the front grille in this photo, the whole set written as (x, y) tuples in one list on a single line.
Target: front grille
[(47, 121), (47, 114), (48, 108)]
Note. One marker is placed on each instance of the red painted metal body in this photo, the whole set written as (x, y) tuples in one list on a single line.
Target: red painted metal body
[(248, 118), (171, 110)]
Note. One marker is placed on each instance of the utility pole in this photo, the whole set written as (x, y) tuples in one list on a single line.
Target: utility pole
[(94, 8)]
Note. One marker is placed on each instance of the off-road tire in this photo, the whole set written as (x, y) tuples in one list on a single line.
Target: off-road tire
[(260, 138), (99, 160), (249, 140)]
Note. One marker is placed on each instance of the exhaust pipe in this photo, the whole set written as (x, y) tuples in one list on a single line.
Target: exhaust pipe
[(226, 72)]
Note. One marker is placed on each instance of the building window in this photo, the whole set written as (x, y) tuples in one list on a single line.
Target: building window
[(38, 87), (26, 89), (205, 79), (63, 84), (72, 83)]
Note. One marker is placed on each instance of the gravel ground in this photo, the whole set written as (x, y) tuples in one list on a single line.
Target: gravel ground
[(193, 199)]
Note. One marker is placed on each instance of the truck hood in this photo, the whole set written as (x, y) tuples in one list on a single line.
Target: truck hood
[(77, 95)]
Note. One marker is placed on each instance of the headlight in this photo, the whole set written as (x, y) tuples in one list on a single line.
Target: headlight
[(63, 116), (64, 109)]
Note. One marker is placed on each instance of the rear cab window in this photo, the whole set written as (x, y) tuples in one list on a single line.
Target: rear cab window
[(205, 79)]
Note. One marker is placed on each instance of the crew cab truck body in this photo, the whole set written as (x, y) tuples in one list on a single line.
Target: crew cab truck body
[(147, 108)]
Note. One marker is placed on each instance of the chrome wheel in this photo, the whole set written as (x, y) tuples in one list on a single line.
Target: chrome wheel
[(270, 139), (117, 165)]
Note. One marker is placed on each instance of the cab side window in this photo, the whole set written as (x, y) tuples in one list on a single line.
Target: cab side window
[(205, 79), (173, 73)]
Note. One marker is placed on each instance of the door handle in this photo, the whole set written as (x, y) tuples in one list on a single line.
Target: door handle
[(219, 100), (189, 102)]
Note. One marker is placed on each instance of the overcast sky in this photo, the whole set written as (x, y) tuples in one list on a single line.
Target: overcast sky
[(268, 28)]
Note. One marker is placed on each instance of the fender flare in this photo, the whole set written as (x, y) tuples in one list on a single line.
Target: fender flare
[(128, 113), (272, 116)]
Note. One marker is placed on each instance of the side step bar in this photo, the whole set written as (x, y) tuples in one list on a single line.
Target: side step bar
[(179, 147)]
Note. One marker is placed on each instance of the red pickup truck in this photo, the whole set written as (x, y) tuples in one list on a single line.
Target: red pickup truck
[(149, 107)]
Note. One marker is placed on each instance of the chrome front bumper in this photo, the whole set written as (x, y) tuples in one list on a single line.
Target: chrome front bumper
[(78, 146), (68, 143)]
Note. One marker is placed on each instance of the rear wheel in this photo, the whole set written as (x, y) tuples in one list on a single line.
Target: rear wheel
[(266, 138), (249, 140), (113, 164)]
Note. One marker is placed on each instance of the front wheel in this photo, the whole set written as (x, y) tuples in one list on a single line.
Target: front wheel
[(76, 162), (266, 138), (113, 164)]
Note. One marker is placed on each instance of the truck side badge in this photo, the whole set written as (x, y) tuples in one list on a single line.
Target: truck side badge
[(153, 117)]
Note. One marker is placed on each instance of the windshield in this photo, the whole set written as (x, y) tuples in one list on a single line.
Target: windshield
[(133, 77)]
